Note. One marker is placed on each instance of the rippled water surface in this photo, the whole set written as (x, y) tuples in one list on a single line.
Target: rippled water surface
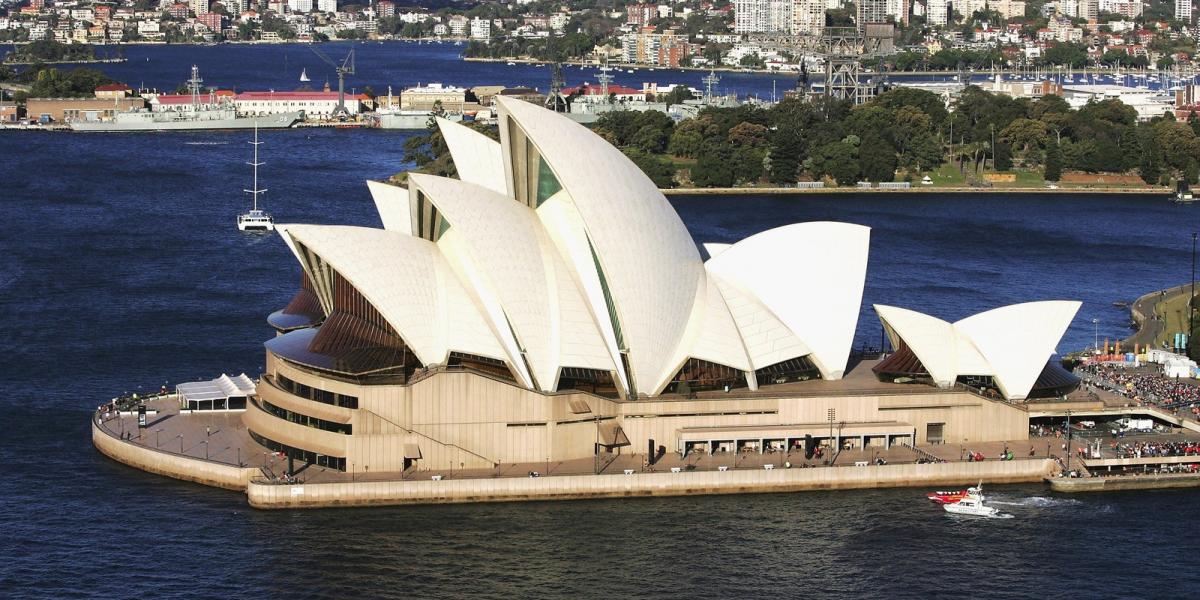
[(122, 268)]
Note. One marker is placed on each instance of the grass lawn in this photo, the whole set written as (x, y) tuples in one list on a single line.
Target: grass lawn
[(1174, 311)]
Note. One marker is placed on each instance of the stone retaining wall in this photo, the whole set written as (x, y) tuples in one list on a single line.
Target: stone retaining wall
[(207, 472), (1124, 482), (425, 491)]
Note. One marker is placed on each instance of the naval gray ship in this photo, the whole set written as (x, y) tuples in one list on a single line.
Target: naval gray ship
[(194, 116)]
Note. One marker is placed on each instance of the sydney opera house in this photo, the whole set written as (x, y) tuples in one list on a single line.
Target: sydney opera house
[(549, 304)]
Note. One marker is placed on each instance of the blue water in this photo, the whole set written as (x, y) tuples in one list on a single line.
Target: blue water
[(120, 267), (378, 65)]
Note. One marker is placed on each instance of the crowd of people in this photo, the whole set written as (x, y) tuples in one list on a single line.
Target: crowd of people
[(1142, 386), (1156, 449)]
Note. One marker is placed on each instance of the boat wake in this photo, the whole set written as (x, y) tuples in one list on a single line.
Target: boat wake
[(205, 143), (1039, 501), (982, 516)]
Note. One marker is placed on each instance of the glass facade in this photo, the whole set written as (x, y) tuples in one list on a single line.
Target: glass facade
[(305, 420), (794, 369), (699, 375), (312, 458), (315, 394)]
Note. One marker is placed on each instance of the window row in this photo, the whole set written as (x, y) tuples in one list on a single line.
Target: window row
[(307, 421), (315, 394), (312, 458)]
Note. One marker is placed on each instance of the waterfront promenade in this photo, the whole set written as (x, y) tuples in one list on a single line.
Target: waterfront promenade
[(215, 449), (1159, 315)]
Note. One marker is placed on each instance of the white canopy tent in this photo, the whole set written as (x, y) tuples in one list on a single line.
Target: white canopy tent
[(222, 393)]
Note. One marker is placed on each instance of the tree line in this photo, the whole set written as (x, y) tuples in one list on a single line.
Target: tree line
[(899, 135)]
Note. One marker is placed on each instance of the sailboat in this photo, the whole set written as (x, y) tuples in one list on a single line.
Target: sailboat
[(256, 219), (304, 76)]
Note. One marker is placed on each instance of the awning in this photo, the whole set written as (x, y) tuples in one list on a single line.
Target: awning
[(612, 435), (579, 406), (221, 388), (412, 451)]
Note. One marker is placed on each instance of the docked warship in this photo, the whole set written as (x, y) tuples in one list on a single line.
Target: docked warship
[(197, 115)]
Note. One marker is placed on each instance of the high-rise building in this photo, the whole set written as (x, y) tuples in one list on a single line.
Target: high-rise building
[(758, 16), (1183, 10), (872, 11), (300, 6), (899, 10), (808, 17), (198, 6), (330, 6), (1090, 9), (937, 13)]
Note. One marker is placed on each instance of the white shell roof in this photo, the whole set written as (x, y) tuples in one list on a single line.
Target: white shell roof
[(392, 203), (409, 282), (512, 251), (1011, 344), (477, 158), (651, 265), (532, 286), (810, 276)]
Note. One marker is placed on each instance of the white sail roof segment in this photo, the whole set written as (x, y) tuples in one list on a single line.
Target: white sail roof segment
[(392, 203), (477, 158), (810, 276), (933, 340), (411, 285), (1011, 344), (648, 261), (516, 256), (561, 221), (1017, 340)]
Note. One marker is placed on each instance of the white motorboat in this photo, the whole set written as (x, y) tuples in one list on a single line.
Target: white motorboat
[(256, 219), (972, 504)]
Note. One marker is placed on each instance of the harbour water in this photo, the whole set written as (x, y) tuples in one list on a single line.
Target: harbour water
[(123, 268)]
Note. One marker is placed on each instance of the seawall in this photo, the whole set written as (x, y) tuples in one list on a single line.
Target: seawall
[(1124, 483), (267, 495), (197, 470), (786, 191)]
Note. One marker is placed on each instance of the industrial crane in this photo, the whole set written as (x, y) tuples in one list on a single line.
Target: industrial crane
[(346, 68)]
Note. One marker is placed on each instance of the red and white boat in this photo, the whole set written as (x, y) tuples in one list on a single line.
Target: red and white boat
[(947, 497)]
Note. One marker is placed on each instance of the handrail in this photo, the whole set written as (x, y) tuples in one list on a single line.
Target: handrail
[(922, 453), (100, 424)]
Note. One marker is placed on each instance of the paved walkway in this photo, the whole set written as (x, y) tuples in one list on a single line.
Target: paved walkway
[(216, 436), (1153, 312)]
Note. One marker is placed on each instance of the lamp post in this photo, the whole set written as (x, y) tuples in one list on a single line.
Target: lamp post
[(1191, 309), (832, 412), (1068, 442)]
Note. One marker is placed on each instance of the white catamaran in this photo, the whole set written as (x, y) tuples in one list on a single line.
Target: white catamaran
[(256, 219)]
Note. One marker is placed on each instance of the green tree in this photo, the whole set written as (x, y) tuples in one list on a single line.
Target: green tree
[(649, 139), (1053, 163), (658, 169), (713, 169), (788, 149), (838, 160), (877, 159), (1027, 137)]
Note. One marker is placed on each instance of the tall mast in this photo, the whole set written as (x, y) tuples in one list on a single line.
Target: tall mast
[(194, 87), (255, 192)]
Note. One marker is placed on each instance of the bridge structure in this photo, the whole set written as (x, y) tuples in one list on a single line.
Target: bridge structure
[(842, 49)]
